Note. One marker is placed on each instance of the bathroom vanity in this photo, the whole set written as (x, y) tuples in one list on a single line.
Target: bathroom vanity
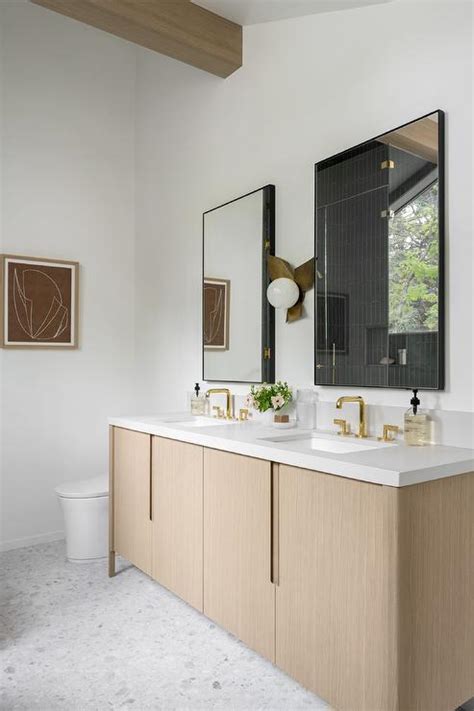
[(348, 564)]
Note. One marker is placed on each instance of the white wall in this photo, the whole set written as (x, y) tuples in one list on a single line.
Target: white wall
[(309, 87), (87, 144), (68, 191)]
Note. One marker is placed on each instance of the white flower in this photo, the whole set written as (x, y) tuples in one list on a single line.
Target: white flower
[(249, 401), (278, 401)]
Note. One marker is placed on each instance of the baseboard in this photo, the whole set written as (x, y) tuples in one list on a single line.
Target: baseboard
[(31, 541)]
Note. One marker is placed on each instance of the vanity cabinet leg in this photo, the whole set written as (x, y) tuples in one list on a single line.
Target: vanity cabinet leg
[(111, 561), (111, 564)]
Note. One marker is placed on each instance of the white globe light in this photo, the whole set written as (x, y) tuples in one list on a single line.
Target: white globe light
[(283, 293)]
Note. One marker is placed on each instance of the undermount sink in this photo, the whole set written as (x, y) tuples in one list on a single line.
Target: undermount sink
[(197, 421), (321, 443)]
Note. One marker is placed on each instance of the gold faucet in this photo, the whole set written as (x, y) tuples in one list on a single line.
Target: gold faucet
[(227, 393), (389, 432), (362, 412), (345, 428)]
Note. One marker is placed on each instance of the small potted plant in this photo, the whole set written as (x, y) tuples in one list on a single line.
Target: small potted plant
[(271, 400)]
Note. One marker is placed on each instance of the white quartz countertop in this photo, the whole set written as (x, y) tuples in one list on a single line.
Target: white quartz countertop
[(387, 464)]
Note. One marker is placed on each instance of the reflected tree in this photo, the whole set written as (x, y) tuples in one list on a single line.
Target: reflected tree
[(413, 264)]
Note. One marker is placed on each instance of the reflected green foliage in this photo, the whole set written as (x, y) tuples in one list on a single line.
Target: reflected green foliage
[(413, 265)]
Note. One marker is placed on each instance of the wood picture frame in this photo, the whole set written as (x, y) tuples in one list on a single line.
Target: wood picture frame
[(216, 314), (39, 302)]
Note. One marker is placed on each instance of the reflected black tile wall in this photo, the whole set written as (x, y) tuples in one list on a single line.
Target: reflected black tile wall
[(354, 195)]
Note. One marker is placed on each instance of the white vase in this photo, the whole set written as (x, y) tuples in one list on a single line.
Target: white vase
[(264, 418)]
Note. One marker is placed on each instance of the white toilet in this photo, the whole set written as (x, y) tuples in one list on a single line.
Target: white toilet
[(85, 506)]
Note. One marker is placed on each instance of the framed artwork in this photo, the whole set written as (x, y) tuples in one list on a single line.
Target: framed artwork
[(38, 302), (216, 314)]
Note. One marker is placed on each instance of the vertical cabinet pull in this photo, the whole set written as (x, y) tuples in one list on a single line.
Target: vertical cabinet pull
[(150, 510), (274, 525)]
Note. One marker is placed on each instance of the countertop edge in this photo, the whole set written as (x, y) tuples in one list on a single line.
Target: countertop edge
[(312, 462)]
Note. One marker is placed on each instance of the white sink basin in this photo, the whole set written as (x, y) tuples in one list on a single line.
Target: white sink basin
[(322, 443), (197, 421)]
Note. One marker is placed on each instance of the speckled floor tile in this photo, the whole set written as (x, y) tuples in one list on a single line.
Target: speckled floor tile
[(74, 640)]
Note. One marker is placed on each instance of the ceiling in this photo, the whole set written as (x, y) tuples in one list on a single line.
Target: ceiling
[(251, 12)]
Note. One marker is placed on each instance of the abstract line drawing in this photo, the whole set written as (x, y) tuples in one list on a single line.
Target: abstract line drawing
[(57, 317), (216, 314), (39, 302)]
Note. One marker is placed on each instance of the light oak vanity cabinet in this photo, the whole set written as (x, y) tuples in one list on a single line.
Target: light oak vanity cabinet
[(364, 593), (177, 483), (375, 602), (238, 590), (336, 621), (130, 497), (156, 510)]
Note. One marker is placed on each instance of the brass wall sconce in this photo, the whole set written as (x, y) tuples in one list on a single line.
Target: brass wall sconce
[(289, 286)]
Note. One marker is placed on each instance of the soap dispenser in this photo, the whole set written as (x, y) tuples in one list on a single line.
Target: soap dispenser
[(198, 402), (417, 424)]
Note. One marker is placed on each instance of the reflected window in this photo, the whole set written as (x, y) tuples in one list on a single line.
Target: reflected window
[(413, 264)]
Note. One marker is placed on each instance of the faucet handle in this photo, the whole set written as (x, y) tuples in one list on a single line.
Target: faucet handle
[(243, 414), (345, 427), (389, 432), (219, 412)]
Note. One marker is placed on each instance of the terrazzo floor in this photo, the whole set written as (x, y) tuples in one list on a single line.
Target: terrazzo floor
[(74, 640)]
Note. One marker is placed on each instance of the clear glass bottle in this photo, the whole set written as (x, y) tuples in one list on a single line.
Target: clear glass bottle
[(417, 424), (306, 409), (198, 402)]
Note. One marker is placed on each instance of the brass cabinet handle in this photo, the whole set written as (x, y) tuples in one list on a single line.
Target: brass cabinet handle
[(274, 525), (150, 510)]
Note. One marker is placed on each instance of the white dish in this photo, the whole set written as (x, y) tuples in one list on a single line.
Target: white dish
[(284, 425)]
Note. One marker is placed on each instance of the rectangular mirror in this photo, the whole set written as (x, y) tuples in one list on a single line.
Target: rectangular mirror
[(238, 321), (379, 242)]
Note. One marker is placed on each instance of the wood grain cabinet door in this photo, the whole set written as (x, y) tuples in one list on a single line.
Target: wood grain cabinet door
[(238, 592), (177, 471), (336, 630), (131, 498)]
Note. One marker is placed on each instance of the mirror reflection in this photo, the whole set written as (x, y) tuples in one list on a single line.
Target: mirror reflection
[(379, 244), (238, 324)]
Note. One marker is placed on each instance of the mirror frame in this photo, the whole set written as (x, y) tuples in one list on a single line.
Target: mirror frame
[(267, 311), (441, 259)]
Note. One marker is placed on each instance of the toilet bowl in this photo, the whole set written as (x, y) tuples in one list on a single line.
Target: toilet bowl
[(85, 508)]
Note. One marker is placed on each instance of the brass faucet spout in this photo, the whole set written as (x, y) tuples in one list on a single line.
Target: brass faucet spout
[(228, 394), (362, 412)]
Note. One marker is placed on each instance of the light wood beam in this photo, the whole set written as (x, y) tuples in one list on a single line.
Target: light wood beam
[(177, 28), (419, 138)]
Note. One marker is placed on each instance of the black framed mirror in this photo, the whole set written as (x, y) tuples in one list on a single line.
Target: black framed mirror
[(238, 322), (379, 243)]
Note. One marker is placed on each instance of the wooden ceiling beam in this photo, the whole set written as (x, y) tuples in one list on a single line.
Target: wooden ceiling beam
[(419, 137), (177, 28)]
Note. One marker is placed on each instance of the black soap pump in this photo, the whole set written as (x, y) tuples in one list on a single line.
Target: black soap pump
[(417, 424), (198, 402)]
